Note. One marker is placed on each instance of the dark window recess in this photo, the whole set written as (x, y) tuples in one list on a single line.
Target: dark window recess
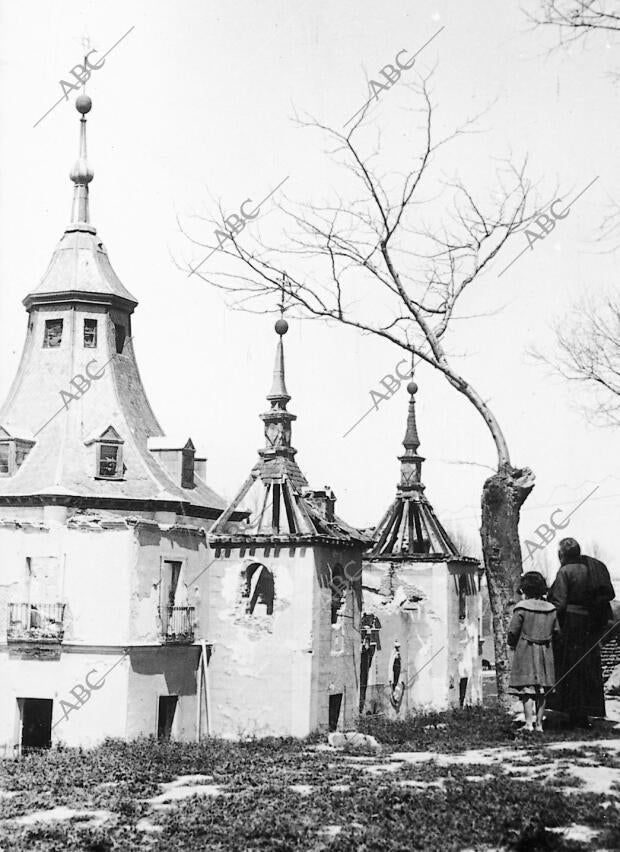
[(259, 588), (109, 460), (396, 669), (90, 334), (119, 335), (170, 583), (335, 702), (368, 652), (53, 333), (165, 716), (462, 596), (36, 716), (339, 590), (370, 627), (462, 691), (5, 451)]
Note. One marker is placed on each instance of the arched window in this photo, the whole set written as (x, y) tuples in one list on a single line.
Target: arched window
[(259, 589)]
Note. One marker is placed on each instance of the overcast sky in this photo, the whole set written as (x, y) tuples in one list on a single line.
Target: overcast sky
[(195, 107)]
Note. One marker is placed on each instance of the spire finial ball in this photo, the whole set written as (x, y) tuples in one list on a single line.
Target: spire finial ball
[(412, 388), (83, 104), (281, 327)]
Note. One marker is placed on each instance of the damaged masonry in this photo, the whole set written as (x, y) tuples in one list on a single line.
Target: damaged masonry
[(197, 618)]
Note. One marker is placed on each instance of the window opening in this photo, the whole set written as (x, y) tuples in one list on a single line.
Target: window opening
[(53, 333), (335, 702), (462, 596), (5, 456), (36, 719), (109, 456), (259, 588), (165, 716), (90, 333)]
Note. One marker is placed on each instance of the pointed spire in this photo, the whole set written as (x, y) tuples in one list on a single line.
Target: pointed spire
[(410, 461), (278, 387), (278, 420), (81, 174)]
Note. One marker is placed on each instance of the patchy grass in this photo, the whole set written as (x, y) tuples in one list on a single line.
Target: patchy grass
[(469, 728), (350, 802)]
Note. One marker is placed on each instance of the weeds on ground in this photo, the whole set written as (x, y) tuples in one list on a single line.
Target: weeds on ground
[(468, 728), (476, 806)]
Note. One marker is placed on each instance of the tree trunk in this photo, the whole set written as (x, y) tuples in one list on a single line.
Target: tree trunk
[(502, 497)]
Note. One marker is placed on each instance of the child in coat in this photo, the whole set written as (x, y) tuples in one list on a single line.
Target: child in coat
[(531, 631)]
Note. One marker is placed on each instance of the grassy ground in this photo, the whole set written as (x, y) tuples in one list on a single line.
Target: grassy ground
[(283, 794)]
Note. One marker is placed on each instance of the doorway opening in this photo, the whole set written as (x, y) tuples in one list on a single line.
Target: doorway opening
[(165, 716), (36, 719), (335, 702)]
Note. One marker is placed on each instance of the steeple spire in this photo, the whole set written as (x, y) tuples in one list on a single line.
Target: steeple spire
[(81, 174), (278, 420), (410, 461), (278, 390), (410, 530)]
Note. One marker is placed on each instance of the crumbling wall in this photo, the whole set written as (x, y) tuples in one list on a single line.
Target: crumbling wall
[(261, 669), (415, 612), (337, 644)]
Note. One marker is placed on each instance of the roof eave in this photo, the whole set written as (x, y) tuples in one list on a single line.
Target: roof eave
[(305, 539), (78, 501), (84, 296)]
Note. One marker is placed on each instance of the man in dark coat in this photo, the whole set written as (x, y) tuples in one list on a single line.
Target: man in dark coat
[(581, 593)]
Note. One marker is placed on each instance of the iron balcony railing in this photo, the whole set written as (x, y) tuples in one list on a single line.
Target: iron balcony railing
[(40, 622), (177, 623)]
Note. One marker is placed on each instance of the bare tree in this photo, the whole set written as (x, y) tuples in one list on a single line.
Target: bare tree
[(588, 353), (575, 20), (394, 263), (587, 344)]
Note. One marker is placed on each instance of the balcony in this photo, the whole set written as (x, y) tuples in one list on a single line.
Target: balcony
[(177, 624), (42, 623)]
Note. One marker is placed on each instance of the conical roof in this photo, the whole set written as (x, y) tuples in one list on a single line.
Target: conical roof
[(78, 387), (410, 530), (80, 270), (80, 266), (281, 506)]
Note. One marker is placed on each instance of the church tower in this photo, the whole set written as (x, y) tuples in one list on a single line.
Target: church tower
[(421, 603), (103, 523), (284, 596)]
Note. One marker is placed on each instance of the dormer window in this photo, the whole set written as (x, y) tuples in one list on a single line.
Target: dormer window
[(109, 461), (109, 454), (53, 333), (13, 451), (5, 458), (90, 334)]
